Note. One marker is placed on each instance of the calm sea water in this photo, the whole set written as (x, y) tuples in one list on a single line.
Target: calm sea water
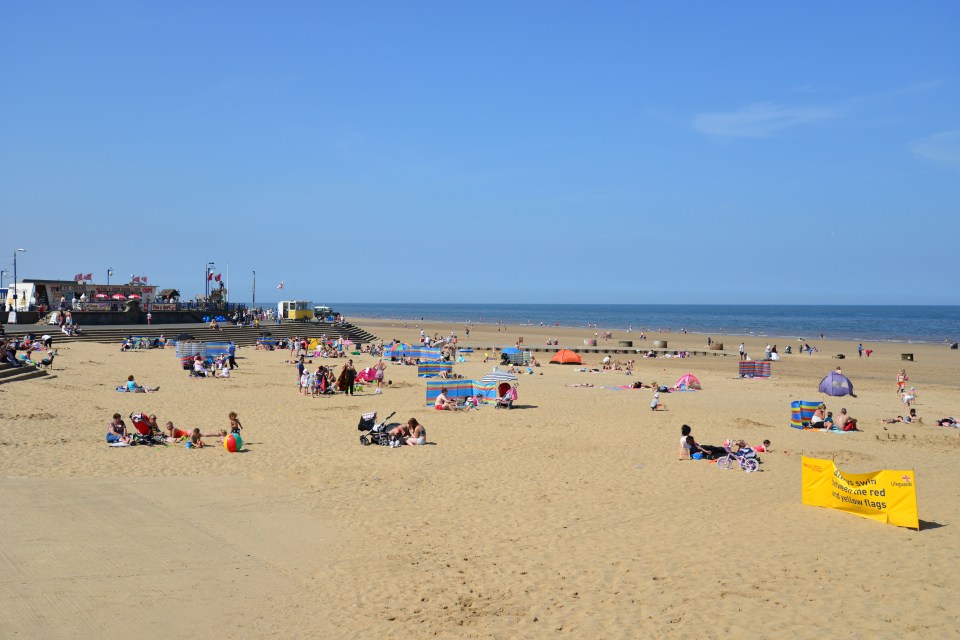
[(861, 323)]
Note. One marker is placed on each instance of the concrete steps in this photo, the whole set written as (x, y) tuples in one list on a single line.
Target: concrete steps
[(242, 336), (10, 373)]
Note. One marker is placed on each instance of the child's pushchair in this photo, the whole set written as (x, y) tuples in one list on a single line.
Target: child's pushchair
[(377, 433), (145, 433)]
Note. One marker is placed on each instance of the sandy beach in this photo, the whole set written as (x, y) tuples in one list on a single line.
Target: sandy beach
[(568, 516)]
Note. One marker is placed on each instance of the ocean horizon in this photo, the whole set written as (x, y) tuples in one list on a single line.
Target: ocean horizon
[(877, 323)]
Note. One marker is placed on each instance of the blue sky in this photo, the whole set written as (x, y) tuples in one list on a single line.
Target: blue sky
[(488, 152)]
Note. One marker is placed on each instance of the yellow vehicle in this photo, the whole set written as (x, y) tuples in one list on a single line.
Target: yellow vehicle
[(299, 310)]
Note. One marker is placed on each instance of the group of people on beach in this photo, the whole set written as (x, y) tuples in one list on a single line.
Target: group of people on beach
[(34, 352), (118, 433)]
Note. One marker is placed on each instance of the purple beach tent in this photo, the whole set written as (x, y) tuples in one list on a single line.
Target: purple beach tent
[(836, 384)]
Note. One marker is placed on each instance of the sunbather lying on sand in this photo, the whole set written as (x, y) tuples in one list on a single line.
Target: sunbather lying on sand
[(909, 418), (175, 435)]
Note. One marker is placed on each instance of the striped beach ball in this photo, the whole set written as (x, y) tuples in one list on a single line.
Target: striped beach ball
[(233, 443)]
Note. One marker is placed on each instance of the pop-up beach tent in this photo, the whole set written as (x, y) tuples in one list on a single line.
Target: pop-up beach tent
[(565, 356), (688, 382), (836, 384), (367, 375)]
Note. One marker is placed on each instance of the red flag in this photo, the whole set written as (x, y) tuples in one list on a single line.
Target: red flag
[(280, 286), (143, 279), (89, 276), (136, 278), (78, 276), (210, 276), (217, 277)]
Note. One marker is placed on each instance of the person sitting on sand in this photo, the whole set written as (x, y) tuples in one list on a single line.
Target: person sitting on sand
[(117, 431), (196, 439), (845, 422), (418, 434), (763, 447), (400, 433), (816, 420), (444, 403), (133, 387), (708, 452), (199, 368)]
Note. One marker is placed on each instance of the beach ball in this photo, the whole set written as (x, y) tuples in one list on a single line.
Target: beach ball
[(188, 445), (233, 443)]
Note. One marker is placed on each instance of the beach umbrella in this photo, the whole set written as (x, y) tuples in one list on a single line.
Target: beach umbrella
[(510, 350), (118, 296), (133, 296), (101, 296), (496, 376)]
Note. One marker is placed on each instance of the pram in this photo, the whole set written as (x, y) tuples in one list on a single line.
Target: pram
[(377, 433), (145, 433), (506, 395)]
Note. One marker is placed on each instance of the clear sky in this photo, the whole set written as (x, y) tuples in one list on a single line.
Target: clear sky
[(687, 152)]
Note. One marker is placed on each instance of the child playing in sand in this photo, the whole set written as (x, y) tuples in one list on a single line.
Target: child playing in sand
[(196, 439), (176, 435), (762, 447), (656, 405), (235, 425)]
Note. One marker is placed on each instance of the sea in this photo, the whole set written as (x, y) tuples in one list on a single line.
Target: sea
[(930, 324)]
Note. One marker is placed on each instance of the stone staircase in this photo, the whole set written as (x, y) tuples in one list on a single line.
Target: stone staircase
[(10, 373), (242, 336)]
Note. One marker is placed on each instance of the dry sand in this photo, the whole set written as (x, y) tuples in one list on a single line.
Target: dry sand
[(567, 517)]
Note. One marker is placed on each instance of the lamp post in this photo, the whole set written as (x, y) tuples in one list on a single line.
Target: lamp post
[(206, 282), (15, 276), (109, 273), (253, 305)]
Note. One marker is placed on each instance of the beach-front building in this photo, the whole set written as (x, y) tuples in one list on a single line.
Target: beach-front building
[(32, 294)]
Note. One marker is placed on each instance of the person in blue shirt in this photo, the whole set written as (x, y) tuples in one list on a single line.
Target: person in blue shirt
[(231, 354)]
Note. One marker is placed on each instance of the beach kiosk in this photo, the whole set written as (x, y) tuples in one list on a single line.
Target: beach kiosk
[(299, 310)]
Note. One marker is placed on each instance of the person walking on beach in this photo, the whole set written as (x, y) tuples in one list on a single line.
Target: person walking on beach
[(902, 380), (860, 350), (743, 351), (232, 354)]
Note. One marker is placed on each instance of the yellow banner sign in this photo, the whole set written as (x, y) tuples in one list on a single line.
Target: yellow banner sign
[(888, 496)]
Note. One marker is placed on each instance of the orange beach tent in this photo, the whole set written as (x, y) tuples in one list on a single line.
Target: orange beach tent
[(565, 356)]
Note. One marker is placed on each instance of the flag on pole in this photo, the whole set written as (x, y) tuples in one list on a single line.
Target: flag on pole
[(143, 279), (280, 286), (89, 276), (210, 275), (136, 278), (78, 276), (217, 277)]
